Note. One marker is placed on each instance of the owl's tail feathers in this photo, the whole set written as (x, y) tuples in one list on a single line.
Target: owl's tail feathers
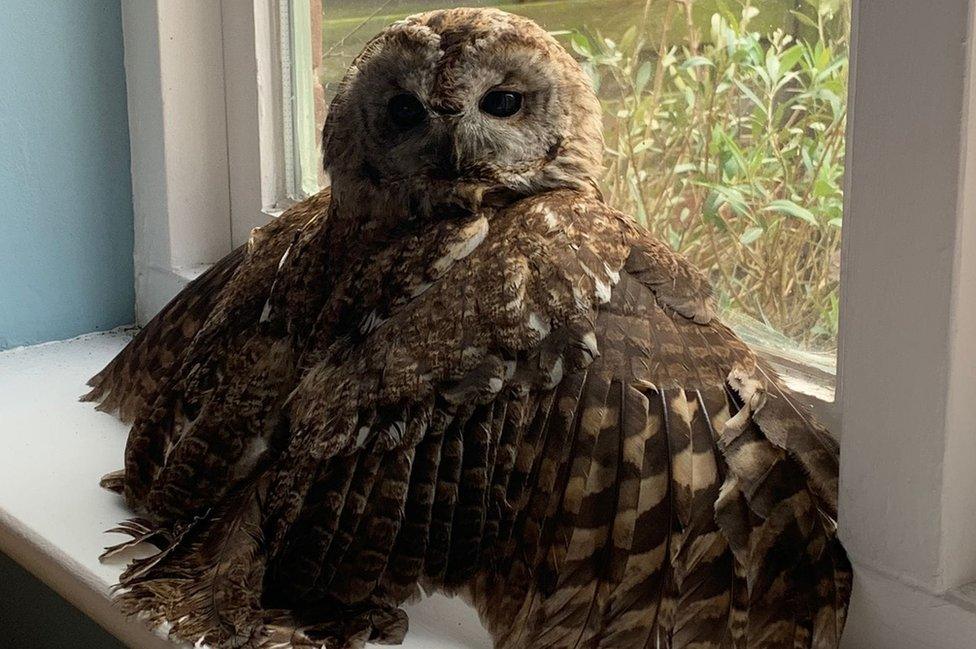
[(834, 581), (777, 508), (206, 584)]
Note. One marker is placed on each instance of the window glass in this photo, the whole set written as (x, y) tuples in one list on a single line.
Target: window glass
[(725, 137)]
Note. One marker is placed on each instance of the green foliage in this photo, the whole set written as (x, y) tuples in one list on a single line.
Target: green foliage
[(730, 146)]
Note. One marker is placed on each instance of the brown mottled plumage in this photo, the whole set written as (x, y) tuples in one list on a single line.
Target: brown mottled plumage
[(459, 370)]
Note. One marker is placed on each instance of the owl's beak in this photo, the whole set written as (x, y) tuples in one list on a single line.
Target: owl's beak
[(447, 161)]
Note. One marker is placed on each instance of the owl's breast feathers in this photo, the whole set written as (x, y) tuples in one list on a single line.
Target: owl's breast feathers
[(534, 406)]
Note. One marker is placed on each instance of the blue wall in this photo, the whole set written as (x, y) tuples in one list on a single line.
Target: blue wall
[(65, 188)]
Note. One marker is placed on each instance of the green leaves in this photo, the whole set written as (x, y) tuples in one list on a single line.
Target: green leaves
[(643, 77), (581, 45), (790, 208), (752, 233), (732, 151), (789, 59), (696, 62)]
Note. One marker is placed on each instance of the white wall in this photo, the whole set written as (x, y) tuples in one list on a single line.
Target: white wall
[(908, 343)]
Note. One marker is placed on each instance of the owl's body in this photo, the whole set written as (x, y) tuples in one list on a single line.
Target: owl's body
[(460, 370)]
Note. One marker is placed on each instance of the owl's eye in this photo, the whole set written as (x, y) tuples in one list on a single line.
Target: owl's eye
[(501, 103), (406, 110)]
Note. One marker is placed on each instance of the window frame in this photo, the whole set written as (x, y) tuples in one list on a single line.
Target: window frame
[(907, 348), (208, 165), (206, 141)]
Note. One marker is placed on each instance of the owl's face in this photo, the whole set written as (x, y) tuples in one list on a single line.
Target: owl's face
[(457, 106)]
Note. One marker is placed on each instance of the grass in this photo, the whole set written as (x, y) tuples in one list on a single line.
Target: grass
[(350, 24)]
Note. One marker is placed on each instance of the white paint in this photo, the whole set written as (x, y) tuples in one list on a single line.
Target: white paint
[(255, 125), (178, 139), (888, 614), (906, 361), (905, 128), (203, 81), (959, 491), (53, 513)]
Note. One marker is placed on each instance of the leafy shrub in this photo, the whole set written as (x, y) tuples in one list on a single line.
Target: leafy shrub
[(730, 146)]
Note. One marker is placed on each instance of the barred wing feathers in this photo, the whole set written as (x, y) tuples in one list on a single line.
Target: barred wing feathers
[(534, 408)]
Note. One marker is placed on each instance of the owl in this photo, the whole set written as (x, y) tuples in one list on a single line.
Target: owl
[(459, 370)]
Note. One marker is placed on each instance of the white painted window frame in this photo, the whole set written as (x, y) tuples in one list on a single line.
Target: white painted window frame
[(206, 129), (208, 164), (907, 349)]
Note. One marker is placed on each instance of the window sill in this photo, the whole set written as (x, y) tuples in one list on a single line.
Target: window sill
[(888, 610), (53, 513), (814, 387)]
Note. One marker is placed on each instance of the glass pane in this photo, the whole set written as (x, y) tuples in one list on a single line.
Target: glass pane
[(725, 136), (304, 104)]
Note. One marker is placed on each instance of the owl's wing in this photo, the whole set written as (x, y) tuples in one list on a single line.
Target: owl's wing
[(217, 303), (128, 384), (557, 426), (695, 509), (177, 366)]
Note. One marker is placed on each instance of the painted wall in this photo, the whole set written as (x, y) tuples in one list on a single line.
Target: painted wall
[(65, 185)]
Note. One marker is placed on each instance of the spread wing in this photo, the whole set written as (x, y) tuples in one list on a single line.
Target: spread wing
[(181, 365), (552, 421)]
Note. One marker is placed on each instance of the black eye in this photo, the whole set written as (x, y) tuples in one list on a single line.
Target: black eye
[(406, 110), (501, 103)]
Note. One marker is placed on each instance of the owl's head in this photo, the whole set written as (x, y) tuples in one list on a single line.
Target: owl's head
[(455, 107)]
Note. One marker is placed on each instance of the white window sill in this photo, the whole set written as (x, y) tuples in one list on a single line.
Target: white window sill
[(53, 513), (53, 516)]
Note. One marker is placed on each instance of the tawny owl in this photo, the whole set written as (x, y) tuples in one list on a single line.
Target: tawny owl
[(460, 370)]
